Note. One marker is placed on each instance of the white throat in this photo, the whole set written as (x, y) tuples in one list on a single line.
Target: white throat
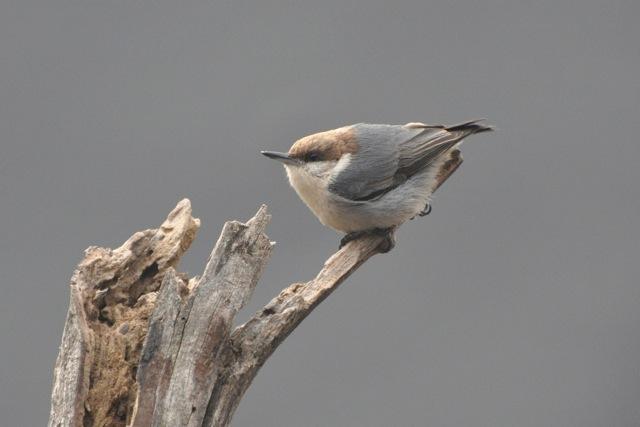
[(310, 182)]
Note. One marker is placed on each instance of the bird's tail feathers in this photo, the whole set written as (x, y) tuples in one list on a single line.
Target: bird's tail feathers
[(471, 127)]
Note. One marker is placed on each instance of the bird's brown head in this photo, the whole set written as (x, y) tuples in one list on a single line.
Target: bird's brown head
[(325, 146)]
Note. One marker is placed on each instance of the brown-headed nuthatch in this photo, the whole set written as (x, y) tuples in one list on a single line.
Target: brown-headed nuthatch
[(371, 178)]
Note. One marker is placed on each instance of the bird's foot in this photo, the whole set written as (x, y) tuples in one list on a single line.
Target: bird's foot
[(386, 245), (426, 211), (389, 241)]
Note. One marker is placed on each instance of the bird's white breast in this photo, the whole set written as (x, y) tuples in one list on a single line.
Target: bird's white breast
[(311, 186)]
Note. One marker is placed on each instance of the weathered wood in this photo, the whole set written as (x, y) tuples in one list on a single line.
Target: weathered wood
[(112, 296), (160, 348), (252, 343), (449, 167), (188, 370), (71, 377), (145, 346)]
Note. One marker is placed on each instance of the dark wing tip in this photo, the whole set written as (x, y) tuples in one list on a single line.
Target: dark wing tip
[(471, 127)]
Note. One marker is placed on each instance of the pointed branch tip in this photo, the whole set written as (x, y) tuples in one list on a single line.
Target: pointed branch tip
[(261, 219)]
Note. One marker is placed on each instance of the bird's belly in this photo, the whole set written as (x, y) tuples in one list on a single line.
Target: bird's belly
[(314, 194)]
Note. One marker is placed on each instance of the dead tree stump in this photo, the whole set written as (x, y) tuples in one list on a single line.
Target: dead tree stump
[(144, 345)]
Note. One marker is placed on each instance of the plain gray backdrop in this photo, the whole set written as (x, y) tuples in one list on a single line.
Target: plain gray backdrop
[(515, 303)]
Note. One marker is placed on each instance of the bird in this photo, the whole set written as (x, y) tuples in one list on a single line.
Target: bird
[(370, 178)]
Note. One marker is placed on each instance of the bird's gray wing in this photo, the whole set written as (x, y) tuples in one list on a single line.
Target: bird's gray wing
[(388, 155), (420, 152), (374, 168)]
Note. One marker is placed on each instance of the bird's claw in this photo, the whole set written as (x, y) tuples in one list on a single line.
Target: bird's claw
[(350, 237), (389, 241), (426, 211)]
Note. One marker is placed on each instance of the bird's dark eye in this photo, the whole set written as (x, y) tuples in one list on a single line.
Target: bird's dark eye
[(313, 156)]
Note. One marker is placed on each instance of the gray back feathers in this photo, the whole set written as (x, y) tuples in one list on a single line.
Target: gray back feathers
[(388, 155)]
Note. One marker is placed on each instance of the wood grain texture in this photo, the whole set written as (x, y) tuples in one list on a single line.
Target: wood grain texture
[(253, 342), (112, 295), (189, 361)]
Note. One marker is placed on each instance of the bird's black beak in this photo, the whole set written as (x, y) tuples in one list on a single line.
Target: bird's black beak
[(281, 157)]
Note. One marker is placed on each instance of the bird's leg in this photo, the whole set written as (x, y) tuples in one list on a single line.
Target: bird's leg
[(386, 245)]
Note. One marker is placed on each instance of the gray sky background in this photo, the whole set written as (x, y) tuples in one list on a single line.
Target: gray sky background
[(515, 303)]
